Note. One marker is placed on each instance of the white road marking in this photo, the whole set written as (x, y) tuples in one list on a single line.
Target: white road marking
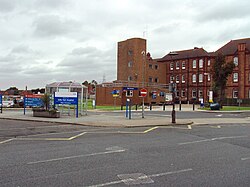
[(212, 139), (5, 141), (141, 177), (243, 159), (219, 115), (77, 156)]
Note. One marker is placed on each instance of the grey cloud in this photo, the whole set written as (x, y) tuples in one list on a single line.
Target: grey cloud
[(83, 51), (221, 11), (52, 3), (53, 25), (6, 6)]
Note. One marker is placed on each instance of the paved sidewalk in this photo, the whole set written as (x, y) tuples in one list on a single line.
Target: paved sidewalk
[(117, 119), (97, 119)]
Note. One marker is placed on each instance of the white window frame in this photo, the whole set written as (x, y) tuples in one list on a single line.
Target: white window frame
[(208, 62), (194, 95), (194, 78), (201, 63), (130, 64), (235, 77), (194, 64), (129, 93), (183, 65), (201, 77), (150, 79), (171, 65), (177, 79), (200, 94), (183, 93), (236, 61), (156, 66), (157, 79), (177, 65), (209, 77), (234, 94), (171, 78), (183, 79)]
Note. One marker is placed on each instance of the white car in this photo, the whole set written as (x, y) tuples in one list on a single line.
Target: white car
[(7, 104)]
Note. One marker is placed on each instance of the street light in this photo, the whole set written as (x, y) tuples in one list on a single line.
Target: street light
[(211, 88), (143, 79), (171, 54)]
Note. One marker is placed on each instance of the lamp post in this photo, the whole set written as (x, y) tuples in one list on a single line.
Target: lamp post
[(143, 79), (171, 54), (210, 100)]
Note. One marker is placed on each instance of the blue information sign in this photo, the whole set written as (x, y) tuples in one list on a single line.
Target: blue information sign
[(1, 99), (66, 100), (129, 88), (33, 102)]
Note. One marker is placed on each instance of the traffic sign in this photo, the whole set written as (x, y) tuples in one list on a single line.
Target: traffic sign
[(143, 92)]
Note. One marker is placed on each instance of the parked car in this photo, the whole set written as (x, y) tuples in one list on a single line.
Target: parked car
[(8, 104)]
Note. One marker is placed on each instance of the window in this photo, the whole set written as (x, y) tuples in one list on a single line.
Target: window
[(183, 78), (156, 67), (194, 63), (177, 93), (183, 93), (193, 78), (129, 78), (150, 79), (156, 80), (150, 66), (249, 94), (208, 77), (200, 78), (171, 78), (208, 62), (130, 52), (177, 65), (177, 79), (235, 77), (171, 66), (193, 93), (200, 93), (129, 93), (236, 61), (183, 65), (201, 63), (235, 93), (130, 64)]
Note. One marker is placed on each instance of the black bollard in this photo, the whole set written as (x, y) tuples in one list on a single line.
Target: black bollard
[(164, 107)]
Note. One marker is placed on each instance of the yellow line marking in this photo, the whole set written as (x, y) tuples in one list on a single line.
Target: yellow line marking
[(153, 128), (5, 141), (73, 137), (189, 127)]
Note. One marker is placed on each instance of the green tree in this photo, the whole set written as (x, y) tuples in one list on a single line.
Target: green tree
[(221, 71), (46, 100)]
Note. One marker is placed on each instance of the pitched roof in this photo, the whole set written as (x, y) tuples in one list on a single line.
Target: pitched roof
[(231, 47), (190, 53)]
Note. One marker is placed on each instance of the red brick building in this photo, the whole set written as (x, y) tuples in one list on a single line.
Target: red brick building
[(190, 70)]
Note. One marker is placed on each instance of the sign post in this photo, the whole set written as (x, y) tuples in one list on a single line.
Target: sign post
[(143, 93), (67, 98), (1, 103), (32, 101)]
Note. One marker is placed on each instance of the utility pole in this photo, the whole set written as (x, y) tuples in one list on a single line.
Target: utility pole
[(171, 54)]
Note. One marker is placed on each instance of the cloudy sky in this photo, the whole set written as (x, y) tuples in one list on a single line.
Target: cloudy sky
[(42, 41)]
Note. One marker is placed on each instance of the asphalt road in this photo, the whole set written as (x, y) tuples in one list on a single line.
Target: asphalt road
[(46, 154)]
